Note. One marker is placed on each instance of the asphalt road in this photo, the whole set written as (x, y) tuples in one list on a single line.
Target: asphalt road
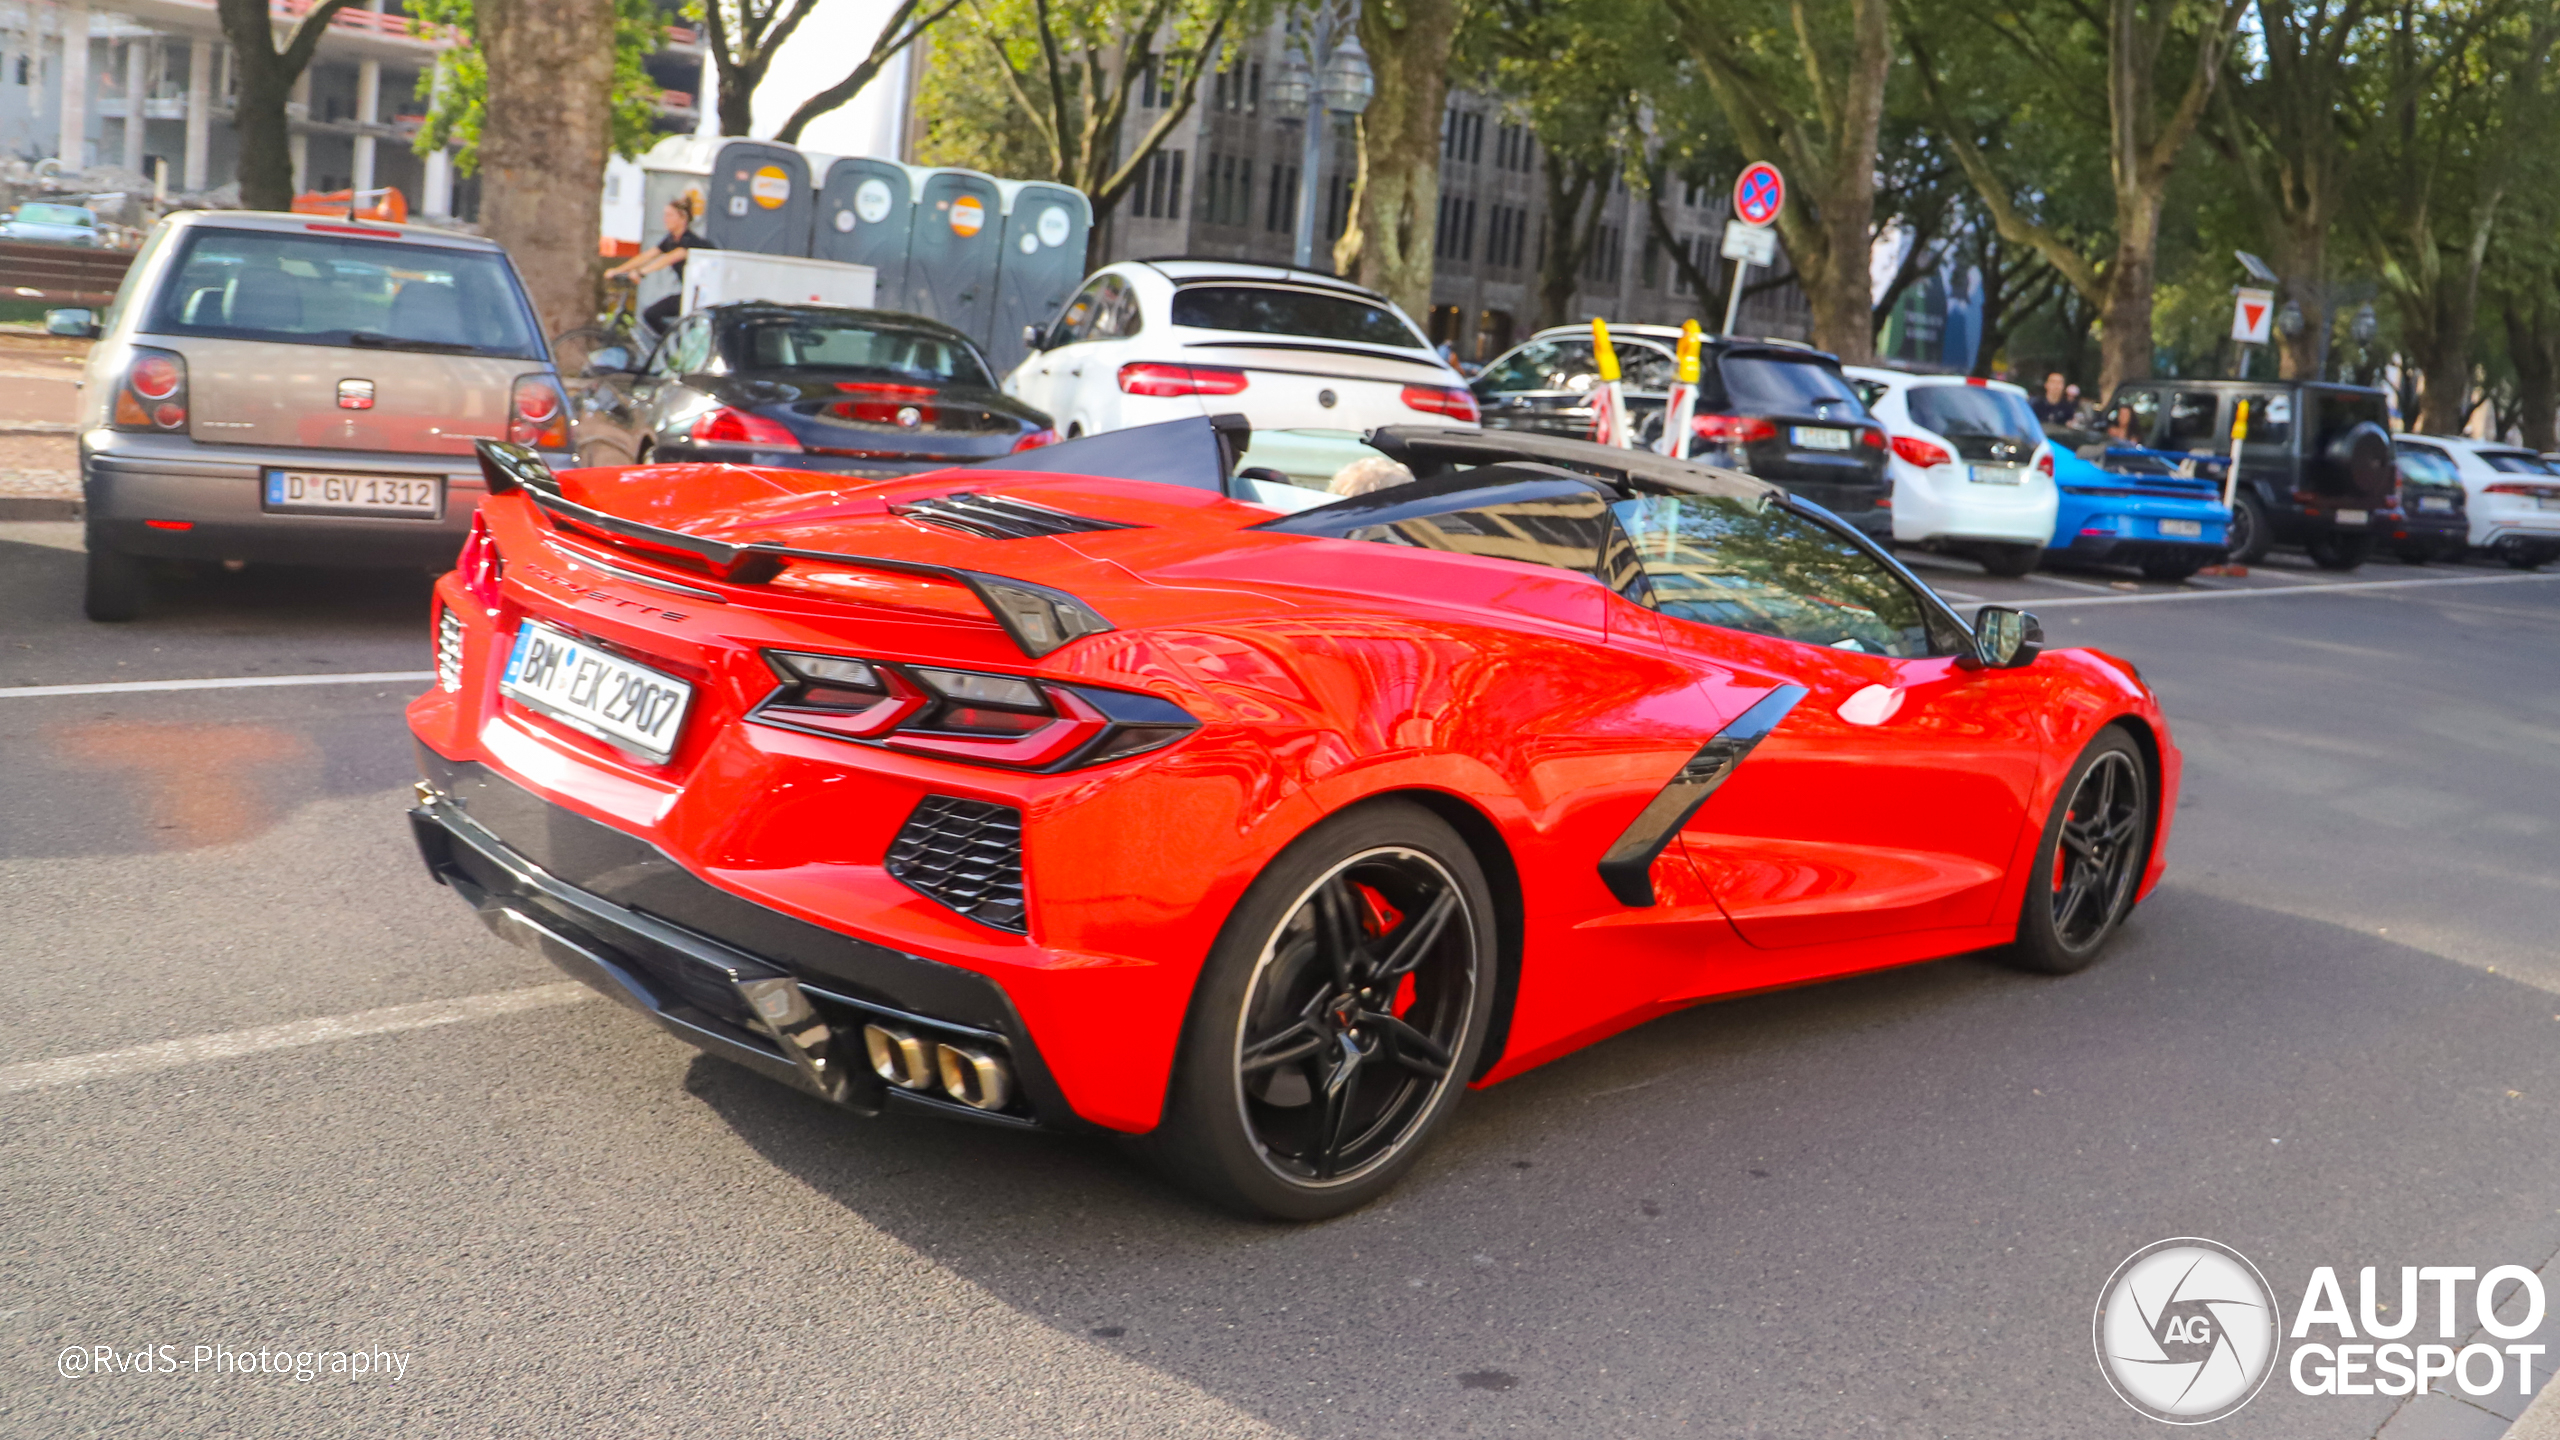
[(1881, 1206)]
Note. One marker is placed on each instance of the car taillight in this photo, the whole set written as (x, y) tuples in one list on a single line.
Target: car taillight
[(1456, 403), (153, 393), (966, 714), (2510, 487), (538, 413), (1148, 377), (1035, 440), (1733, 429), (906, 406), (479, 567), (1916, 451), (2044, 462), (1872, 438), (721, 425)]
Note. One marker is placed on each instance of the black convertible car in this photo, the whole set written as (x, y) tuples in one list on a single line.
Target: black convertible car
[(861, 392)]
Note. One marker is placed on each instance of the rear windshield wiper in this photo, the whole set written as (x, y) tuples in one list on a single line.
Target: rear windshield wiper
[(374, 341)]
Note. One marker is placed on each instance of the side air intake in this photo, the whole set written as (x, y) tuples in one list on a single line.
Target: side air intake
[(966, 854)]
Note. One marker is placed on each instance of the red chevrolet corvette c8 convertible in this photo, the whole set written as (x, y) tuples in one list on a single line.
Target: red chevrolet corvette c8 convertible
[(1106, 787)]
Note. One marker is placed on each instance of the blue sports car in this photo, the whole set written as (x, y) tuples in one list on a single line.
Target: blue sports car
[(2135, 509)]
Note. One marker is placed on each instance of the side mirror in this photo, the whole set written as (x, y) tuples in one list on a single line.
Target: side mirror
[(78, 324), (2004, 639), (1032, 335), (611, 360)]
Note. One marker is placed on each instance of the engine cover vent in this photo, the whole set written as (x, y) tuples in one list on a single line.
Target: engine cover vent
[(999, 517)]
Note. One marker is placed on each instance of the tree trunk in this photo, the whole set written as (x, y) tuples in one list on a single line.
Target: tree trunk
[(1395, 211), (2303, 260), (2530, 348), (2445, 405), (2124, 326), (265, 75), (1573, 220), (543, 146), (266, 146)]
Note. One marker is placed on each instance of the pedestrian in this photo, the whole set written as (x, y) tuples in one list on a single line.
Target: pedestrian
[(2059, 402), (681, 240)]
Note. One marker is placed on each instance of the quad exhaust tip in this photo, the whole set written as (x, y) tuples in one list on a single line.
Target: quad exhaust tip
[(972, 1077)]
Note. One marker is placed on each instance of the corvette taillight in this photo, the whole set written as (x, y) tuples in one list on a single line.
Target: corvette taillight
[(1733, 429), (1915, 451), (966, 715), (1446, 400), (479, 567), (538, 413), (153, 393), (721, 425), (1149, 377)]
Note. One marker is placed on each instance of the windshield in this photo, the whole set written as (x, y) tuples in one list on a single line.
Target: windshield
[(55, 215), (792, 343), (1768, 385), (1272, 310), (334, 290), (2517, 462), (1573, 365)]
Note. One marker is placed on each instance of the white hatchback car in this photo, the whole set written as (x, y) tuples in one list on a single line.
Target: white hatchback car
[(1145, 341), (1962, 453), (2510, 494)]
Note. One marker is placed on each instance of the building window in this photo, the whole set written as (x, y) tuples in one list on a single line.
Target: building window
[(1157, 195), (1253, 89), (1493, 333), (1280, 212)]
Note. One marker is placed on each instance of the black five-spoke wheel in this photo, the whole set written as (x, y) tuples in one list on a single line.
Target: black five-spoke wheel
[(2096, 844), (1338, 1020), (1357, 1005)]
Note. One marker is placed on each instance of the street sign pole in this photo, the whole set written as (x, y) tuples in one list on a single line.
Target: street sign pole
[(1759, 192)]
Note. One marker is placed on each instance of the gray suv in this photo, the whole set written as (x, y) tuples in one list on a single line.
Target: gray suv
[(299, 389)]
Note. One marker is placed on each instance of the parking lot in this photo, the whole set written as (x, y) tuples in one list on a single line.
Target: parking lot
[(1879, 1206)]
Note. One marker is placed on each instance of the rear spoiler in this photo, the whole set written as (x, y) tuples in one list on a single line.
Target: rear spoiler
[(1038, 618)]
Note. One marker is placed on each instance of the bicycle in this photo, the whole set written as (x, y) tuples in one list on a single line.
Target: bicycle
[(617, 327)]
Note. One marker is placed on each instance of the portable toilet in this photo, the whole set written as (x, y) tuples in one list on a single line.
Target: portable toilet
[(952, 244), (866, 209), (1045, 226), (755, 193)]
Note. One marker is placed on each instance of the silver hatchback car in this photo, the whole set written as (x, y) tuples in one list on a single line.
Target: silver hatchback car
[(296, 389)]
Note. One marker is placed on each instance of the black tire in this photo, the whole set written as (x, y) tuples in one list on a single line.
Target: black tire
[(2338, 551), (2008, 561), (2415, 554), (1254, 1132), (2170, 572), (2076, 901), (2250, 536), (117, 585), (2524, 557)]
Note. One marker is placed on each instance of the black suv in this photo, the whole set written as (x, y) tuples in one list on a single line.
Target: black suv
[(1767, 407), (2316, 469)]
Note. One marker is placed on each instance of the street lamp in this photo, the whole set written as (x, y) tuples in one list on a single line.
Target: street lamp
[(1345, 89), (2364, 325)]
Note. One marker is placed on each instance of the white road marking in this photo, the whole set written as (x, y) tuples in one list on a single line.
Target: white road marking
[(231, 1044), (2351, 587), (227, 682)]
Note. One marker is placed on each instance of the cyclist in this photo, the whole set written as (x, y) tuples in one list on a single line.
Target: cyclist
[(681, 240)]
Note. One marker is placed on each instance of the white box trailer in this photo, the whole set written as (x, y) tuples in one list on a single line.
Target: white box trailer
[(718, 277)]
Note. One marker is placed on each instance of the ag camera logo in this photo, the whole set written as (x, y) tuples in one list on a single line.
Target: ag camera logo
[(2186, 1330)]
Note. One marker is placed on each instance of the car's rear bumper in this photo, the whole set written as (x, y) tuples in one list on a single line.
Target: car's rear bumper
[(2139, 550), (2434, 531), (620, 915), (2126, 529), (1942, 504), (2494, 524), (169, 496)]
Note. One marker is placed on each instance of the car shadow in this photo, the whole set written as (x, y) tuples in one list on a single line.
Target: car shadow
[(1880, 1203)]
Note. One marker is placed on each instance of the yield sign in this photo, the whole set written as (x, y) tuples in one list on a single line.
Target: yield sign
[(1758, 193), (2251, 310)]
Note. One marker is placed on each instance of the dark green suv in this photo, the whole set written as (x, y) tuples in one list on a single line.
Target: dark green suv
[(2316, 469)]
